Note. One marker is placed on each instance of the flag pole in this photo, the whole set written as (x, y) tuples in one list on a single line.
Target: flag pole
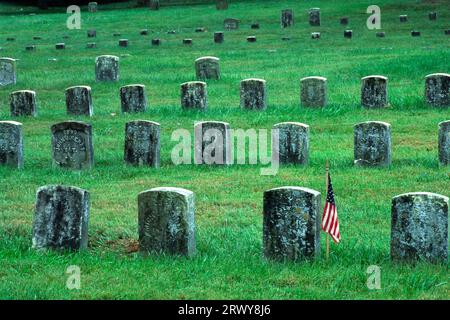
[(326, 194)]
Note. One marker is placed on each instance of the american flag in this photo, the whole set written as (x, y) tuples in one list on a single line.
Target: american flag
[(330, 222)]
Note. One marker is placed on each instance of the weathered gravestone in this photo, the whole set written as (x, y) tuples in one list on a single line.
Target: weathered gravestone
[(212, 143), (314, 17), (133, 98), (253, 94), (92, 7), (231, 24), (154, 4), (254, 26), (91, 45), (315, 35), (381, 34), (444, 143), (156, 42), (30, 48), (72, 145), (107, 68), (79, 101), (123, 43), (61, 218), (313, 92), (11, 144), (374, 92), (92, 33), (23, 103), (218, 37), (251, 39), (7, 71), (194, 95), (142, 143), (143, 32), (419, 228), (187, 41), (221, 4), (167, 221), (291, 223), (432, 15), (372, 144), (437, 89), (344, 21), (348, 34), (415, 33), (403, 18), (207, 68), (60, 46), (287, 18), (293, 143)]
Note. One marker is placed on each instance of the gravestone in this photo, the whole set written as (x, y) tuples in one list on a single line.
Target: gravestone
[(79, 101), (291, 223), (403, 18), (381, 34), (313, 92), (207, 68), (154, 4), (419, 228), (123, 43), (287, 18), (293, 143), (231, 24), (444, 143), (133, 98), (187, 41), (251, 39), (344, 21), (10, 39), (218, 37), (212, 143), (91, 45), (372, 144), (72, 145), (437, 89), (143, 32), (194, 95), (37, 38), (314, 17), (23, 103), (142, 143), (254, 26), (116, 34), (92, 33), (447, 32), (415, 33), (60, 46), (200, 29), (107, 68), (61, 218), (348, 34), (432, 15), (156, 42), (11, 144), (221, 4), (167, 221), (7, 71), (315, 35), (92, 7), (253, 94), (30, 48), (374, 92)]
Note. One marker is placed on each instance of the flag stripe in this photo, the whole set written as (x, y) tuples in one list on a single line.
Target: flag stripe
[(330, 221)]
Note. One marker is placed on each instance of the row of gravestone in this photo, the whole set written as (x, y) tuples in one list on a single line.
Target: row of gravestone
[(374, 93), (72, 143), (291, 223)]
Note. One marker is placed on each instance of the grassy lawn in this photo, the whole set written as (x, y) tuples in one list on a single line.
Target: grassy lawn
[(229, 262)]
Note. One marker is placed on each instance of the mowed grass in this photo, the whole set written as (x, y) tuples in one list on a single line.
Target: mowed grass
[(229, 263)]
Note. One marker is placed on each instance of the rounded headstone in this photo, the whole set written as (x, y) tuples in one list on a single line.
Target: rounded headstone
[(7, 71), (11, 144), (251, 39), (381, 34), (231, 24), (207, 68), (212, 143), (415, 33), (156, 42), (314, 17), (133, 98), (374, 93), (254, 26), (293, 142), (92, 7), (315, 35), (291, 223), (194, 95), (79, 101), (372, 144), (432, 15), (344, 21), (287, 18), (348, 34), (419, 228), (187, 41), (123, 43), (107, 68), (403, 18), (167, 221), (253, 94), (60, 46), (23, 103), (444, 143), (91, 33), (61, 218), (437, 89), (313, 92), (142, 143), (218, 37)]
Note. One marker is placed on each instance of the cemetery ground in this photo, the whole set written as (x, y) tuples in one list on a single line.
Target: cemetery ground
[(229, 263)]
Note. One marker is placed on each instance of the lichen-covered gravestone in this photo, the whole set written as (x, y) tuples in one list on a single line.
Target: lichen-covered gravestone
[(372, 144), (444, 143), (231, 24), (314, 16), (221, 4), (437, 89), (291, 223), (218, 37), (72, 145), (313, 92), (287, 18), (107, 68), (7, 71), (419, 228), (23, 103), (167, 221), (374, 92), (293, 143), (92, 7), (11, 144), (207, 68), (212, 143), (79, 101), (133, 98), (403, 18), (61, 218), (194, 95), (142, 143), (253, 94)]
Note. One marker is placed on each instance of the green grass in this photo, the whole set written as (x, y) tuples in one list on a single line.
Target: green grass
[(229, 263)]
